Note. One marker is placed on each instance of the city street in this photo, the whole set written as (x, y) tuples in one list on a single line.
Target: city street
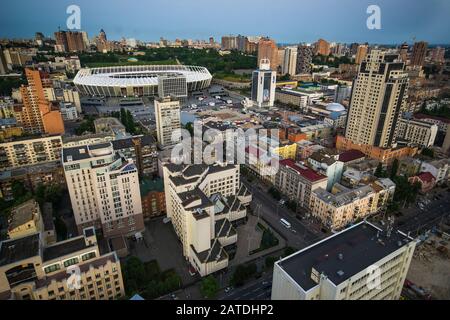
[(300, 235), (417, 220), (259, 289)]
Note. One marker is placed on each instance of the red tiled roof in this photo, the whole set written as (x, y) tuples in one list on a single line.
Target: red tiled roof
[(426, 176), (307, 173), (351, 155)]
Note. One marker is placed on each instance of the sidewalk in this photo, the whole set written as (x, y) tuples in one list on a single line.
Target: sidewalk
[(249, 238)]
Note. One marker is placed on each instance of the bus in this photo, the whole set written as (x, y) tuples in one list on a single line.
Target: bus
[(285, 223)]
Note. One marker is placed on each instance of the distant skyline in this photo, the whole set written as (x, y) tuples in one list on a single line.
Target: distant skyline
[(286, 21)]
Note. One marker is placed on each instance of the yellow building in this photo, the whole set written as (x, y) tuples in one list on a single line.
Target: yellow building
[(75, 269), (25, 219), (342, 206), (286, 151)]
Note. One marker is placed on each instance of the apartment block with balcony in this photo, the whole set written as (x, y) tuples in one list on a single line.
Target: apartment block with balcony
[(30, 270), (362, 262), (104, 189), (205, 203), (24, 152), (342, 206)]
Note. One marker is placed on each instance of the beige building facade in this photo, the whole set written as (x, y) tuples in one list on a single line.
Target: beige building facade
[(205, 204), (104, 189), (74, 269), (24, 152)]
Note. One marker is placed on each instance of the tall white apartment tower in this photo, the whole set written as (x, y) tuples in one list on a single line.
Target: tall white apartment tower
[(290, 61), (263, 84), (379, 96), (104, 189), (167, 113)]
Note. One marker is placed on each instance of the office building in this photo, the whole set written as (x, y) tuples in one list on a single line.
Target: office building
[(362, 262), (25, 152), (104, 189), (205, 204), (31, 270), (343, 92), (379, 96), (417, 132), (37, 114), (263, 85), (341, 206), (172, 86), (419, 53), (296, 182), (304, 59), (167, 113), (361, 53), (267, 49), (290, 61)]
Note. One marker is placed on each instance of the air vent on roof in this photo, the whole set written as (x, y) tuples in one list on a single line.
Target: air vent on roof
[(399, 243), (340, 273), (82, 151), (341, 256), (69, 158)]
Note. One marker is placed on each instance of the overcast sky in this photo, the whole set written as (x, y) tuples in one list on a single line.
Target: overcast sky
[(287, 21)]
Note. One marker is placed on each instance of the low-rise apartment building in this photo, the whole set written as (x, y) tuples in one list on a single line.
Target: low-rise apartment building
[(297, 182), (24, 152), (362, 262), (327, 162), (341, 206), (204, 204), (75, 269)]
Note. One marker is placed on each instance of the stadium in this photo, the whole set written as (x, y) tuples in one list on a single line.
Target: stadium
[(142, 80)]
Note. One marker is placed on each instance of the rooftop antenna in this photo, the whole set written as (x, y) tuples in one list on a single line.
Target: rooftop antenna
[(390, 226)]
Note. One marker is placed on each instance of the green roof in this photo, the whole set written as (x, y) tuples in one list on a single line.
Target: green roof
[(148, 185)]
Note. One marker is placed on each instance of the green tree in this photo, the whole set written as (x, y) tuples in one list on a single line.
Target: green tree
[(394, 169), (428, 152), (379, 171), (209, 287)]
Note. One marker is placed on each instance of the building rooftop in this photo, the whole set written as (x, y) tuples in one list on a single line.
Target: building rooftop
[(148, 185), (342, 255), (19, 249), (344, 195), (23, 213), (351, 155), (64, 248), (307, 173)]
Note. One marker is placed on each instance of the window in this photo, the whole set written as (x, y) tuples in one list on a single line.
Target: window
[(70, 262), (52, 268)]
